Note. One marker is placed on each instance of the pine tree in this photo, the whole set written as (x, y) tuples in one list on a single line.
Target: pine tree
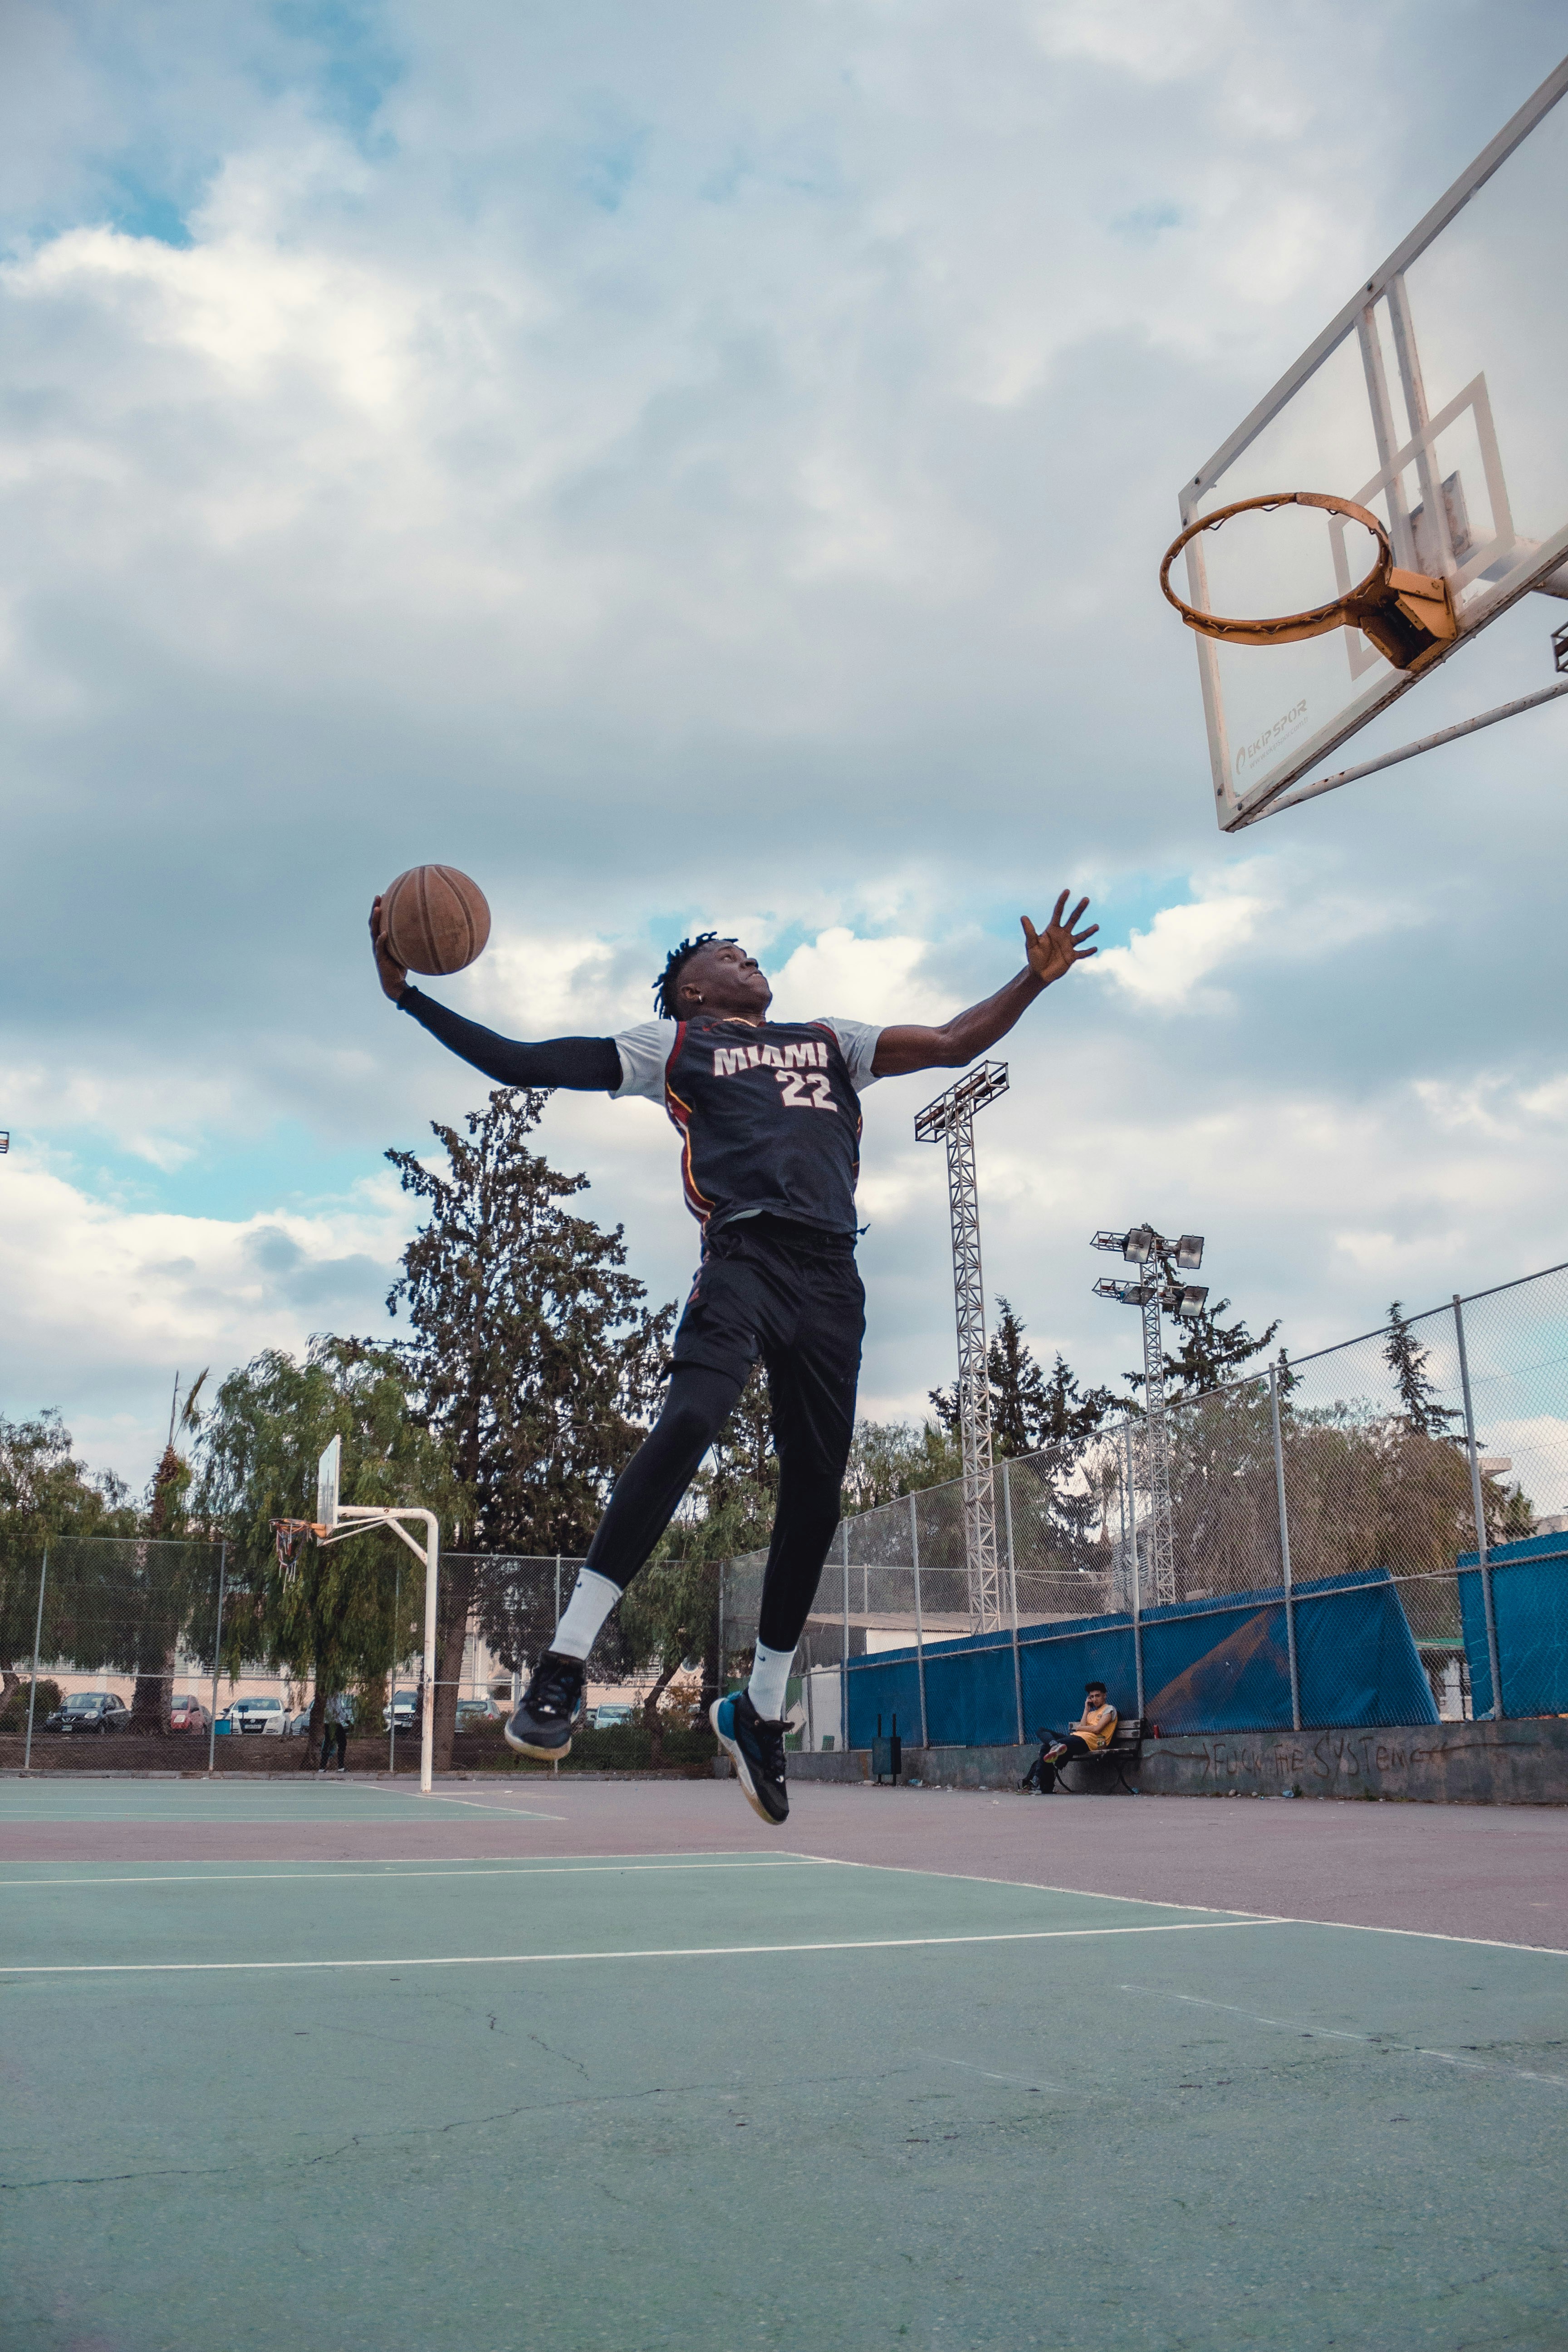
[(1212, 1354), (1029, 1413), (536, 1362), (1407, 1361)]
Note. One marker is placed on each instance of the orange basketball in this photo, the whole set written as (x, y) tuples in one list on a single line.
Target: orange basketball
[(434, 918)]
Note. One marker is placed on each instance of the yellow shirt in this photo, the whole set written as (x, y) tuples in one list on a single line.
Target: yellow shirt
[(1096, 1726)]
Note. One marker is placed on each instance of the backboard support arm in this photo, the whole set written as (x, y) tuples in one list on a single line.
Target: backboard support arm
[(1297, 794)]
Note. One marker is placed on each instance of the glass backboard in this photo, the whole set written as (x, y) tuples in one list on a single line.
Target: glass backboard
[(328, 1473), (1438, 399)]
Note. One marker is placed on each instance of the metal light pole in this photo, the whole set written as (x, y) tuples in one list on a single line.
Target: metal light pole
[(1157, 1291), (951, 1120)]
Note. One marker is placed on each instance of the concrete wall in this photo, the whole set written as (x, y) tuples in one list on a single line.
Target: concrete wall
[(1520, 1763)]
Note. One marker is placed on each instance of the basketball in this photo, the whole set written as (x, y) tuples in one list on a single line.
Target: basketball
[(435, 919)]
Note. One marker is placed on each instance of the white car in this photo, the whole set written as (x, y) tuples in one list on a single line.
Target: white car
[(267, 1715)]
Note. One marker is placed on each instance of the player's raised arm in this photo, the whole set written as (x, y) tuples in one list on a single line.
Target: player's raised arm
[(1052, 954), (587, 1064)]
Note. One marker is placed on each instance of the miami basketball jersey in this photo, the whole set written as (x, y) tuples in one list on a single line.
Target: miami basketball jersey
[(769, 1121)]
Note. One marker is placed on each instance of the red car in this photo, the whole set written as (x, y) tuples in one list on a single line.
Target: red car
[(188, 1715)]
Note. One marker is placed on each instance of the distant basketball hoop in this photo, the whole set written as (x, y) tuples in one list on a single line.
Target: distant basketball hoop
[(1407, 615)]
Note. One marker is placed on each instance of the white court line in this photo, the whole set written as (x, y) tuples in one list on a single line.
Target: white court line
[(1372, 2041), (1022, 2082), (1155, 1903), (373, 1873), (474, 1804), (664, 1952), (232, 1820)]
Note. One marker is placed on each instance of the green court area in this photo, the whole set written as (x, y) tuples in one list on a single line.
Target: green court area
[(708, 2101), (294, 1799)]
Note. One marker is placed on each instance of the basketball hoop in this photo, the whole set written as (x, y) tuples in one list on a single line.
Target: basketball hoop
[(1407, 615), (288, 1535)]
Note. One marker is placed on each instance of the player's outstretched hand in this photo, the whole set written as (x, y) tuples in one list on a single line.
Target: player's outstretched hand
[(388, 971), (1059, 946)]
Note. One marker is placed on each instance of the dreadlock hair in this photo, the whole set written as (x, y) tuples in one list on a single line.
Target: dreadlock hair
[(669, 982)]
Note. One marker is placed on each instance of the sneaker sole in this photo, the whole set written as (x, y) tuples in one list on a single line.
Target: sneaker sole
[(540, 1755), (742, 1771)]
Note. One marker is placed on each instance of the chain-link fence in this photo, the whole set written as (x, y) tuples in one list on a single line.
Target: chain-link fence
[(1377, 1533), (135, 1654)]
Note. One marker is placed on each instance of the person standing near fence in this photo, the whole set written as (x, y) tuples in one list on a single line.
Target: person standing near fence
[(340, 1714), (769, 1117)]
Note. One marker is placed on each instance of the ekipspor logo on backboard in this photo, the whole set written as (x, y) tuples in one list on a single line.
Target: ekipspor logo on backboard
[(1251, 754)]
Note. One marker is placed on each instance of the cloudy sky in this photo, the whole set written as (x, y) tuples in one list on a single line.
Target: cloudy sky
[(700, 465)]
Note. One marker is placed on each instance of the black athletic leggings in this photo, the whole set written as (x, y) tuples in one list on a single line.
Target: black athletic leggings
[(653, 1482)]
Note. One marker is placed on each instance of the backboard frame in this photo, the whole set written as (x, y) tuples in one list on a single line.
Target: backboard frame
[(1267, 792)]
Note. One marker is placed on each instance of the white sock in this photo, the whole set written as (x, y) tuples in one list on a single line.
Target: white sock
[(593, 1598), (770, 1680)]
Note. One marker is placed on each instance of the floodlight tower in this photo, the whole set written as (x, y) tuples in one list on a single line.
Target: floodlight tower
[(951, 1120), (1157, 1291)]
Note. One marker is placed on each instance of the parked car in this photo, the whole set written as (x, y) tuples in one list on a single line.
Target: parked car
[(187, 1714), (299, 1725), (98, 1711), (404, 1711), (613, 1715), (265, 1715), (473, 1712)]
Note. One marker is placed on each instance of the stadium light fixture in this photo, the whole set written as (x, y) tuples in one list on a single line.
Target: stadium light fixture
[(1191, 1302), (1189, 1253), (1138, 1247), (4, 1138)]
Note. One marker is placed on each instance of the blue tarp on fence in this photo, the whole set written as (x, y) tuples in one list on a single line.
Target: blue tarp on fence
[(1529, 1602), (1215, 1666)]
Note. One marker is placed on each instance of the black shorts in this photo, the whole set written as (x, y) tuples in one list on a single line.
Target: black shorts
[(771, 1288)]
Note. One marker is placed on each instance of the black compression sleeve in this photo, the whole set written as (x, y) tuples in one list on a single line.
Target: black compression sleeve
[(588, 1064)]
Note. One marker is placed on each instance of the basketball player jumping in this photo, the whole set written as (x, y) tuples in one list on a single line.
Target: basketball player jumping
[(769, 1116)]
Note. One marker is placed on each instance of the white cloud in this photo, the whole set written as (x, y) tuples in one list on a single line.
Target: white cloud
[(723, 497), (1164, 966), (865, 980)]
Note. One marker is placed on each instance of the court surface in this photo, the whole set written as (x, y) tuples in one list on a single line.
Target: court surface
[(603, 2064)]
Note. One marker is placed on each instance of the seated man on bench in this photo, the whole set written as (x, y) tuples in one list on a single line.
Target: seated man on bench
[(1091, 1735)]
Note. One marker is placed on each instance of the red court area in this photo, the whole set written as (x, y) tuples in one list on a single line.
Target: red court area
[(1475, 1871)]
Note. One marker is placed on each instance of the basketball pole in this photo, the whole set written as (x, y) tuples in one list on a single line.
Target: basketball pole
[(357, 1520)]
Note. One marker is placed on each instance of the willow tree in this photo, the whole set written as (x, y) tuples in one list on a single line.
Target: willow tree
[(339, 1613)]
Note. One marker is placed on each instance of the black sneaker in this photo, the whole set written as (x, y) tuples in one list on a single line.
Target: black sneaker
[(756, 1749), (548, 1709)]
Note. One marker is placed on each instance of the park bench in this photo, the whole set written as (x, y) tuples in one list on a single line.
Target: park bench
[(1126, 1746)]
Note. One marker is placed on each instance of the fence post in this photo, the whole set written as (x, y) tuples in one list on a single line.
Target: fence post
[(392, 1732), (920, 1624), (1479, 1508), (1013, 1593), (1285, 1548), (1129, 1520), (33, 1685), (557, 1595), (844, 1665), (217, 1661)]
